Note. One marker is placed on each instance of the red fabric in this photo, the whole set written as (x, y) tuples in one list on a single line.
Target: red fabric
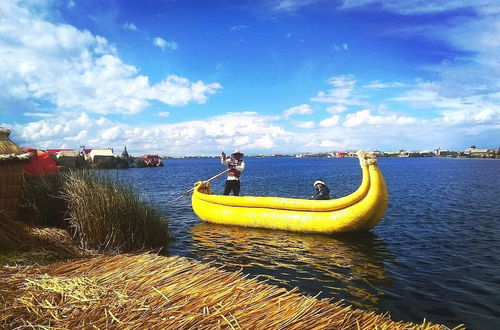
[(231, 166), (40, 164)]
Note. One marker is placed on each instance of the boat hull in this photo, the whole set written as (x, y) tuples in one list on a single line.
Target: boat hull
[(359, 211)]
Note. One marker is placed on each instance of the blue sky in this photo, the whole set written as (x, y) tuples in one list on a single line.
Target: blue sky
[(179, 77)]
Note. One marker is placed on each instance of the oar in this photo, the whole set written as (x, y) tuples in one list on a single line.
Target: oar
[(190, 190)]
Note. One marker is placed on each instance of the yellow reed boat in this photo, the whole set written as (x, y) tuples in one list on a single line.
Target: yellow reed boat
[(359, 211)]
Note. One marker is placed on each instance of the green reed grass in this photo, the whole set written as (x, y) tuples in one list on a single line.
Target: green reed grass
[(41, 202), (102, 214), (109, 216)]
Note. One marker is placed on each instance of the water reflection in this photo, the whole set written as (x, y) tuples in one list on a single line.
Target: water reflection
[(349, 267)]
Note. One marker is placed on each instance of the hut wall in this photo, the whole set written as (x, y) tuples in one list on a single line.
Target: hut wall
[(11, 171), (11, 176)]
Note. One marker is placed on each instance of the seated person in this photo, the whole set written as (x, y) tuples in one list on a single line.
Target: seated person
[(322, 191)]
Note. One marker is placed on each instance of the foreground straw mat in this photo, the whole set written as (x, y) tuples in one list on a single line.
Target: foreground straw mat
[(148, 291)]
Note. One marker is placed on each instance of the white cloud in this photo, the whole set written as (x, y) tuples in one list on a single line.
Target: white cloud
[(255, 133), (341, 92), (111, 134), (336, 109), (383, 85), (130, 26), (238, 27), (475, 72), (429, 96), (303, 109), (330, 122), (164, 114), (305, 124), (330, 145), (175, 90), (364, 117), (75, 70), (38, 114), (292, 5), (469, 116), (164, 44), (341, 47), (411, 7), (245, 130)]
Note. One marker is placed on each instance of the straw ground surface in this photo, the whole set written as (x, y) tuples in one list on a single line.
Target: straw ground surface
[(148, 291)]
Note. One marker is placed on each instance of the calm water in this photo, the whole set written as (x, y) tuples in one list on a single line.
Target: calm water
[(435, 255)]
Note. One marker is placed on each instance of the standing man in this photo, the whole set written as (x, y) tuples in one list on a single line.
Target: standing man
[(235, 166)]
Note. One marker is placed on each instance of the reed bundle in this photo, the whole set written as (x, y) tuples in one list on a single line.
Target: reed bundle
[(25, 245), (148, 291), (13, 234), (109, 216)]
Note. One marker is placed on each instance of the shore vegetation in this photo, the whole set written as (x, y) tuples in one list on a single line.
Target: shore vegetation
[(102, 214)]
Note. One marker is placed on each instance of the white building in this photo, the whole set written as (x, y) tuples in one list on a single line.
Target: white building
[(99, 153)]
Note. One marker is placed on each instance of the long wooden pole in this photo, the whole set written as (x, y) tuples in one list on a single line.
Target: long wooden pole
[(190, 190)]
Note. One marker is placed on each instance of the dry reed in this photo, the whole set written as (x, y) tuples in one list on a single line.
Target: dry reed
[(147, 291), (24, 245), (11, 159), (12, 233)]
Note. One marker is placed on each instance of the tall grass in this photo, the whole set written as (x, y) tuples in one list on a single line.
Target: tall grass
[(102, 214), (109, 216), (41, 202)]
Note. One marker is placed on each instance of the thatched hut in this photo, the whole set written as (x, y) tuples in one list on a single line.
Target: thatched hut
[(11, 172)]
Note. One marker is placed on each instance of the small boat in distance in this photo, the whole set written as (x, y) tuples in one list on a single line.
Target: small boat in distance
[(152, 161), (359, 211)]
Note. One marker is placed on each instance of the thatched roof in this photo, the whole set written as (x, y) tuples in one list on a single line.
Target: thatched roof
[(9, 151)]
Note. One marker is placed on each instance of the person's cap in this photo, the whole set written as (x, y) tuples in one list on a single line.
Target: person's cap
[(237, 152), (318, 181)]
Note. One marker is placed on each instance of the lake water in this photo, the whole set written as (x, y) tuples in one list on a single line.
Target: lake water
[(435, 254)]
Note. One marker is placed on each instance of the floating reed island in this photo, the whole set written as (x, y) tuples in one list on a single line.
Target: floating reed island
[(148, 291), (136, 291)]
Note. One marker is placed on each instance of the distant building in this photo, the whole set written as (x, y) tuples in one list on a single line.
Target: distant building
[(96, 154), (403, 153), (65, 154), (426, 153), (340, 154), (55, 151), (152, 160), (125, 153), (474, 152)]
